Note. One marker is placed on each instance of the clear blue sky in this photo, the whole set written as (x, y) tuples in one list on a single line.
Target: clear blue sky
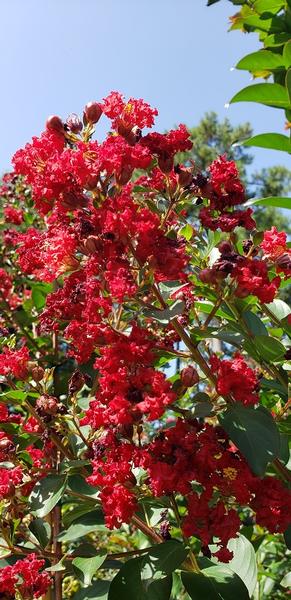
[(56, 55)]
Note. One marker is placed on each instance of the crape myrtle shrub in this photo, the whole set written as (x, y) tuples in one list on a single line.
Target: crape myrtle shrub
[(116, 263)]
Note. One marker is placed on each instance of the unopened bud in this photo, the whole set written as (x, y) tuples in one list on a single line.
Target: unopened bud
[(185, 177), (47, 405), (76, 382), (189, 376), (166, 163), (74, 123), (284, 261), (225, 247), (207, 276), (92, 244), (6, 446), (124, 176), (37, 373), (55, 124), (92, 112)]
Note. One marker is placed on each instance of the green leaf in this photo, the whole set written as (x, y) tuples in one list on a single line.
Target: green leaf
[(270, 94), (148, 577), (162, 560), (126, 585), (284, 448), (56, 568), (78, 484), (97, 591), (186, 232), (279, 308), (4, 550), (287, 537), (254, 324), (254, 432), (288, 84), (85, 568), (85, 524), (273, 141), (38, 298), (286, 581), (271, 201), (77, 511), (14, 395), (269, 348), (202, 410), (244, 562), (270, 6), (260, 61), (287, 53), (46, 494), (41, 531), (166, 315), (276, 39), (215, 583), (167, 288)]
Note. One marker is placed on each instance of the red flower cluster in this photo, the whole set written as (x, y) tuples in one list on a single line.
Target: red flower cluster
[(14, 362), (276, 250), (112, 471), (224, 190), (236, 378), (130, 389), (24, 577)]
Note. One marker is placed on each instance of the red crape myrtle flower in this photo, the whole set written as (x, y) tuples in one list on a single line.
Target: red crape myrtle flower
[(24, 576), (236, 378), (14, 362)]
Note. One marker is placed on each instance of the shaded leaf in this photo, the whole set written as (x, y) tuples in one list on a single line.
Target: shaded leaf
[(215, 583), (254, 323), (46, 494), (85, 524), (166, 315), (269, 348), (41, 531), (254, 432), (97, 591)]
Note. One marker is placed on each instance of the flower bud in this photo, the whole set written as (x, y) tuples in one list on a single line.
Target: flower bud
[(55, 123), (225, 247), (47, 405), (189, 376), (92, 244), (284, 261), (185, 177), (37, 373), (6, 446), (166, 163), (92, 112), (207, 276), (76, 382), (74, 123)]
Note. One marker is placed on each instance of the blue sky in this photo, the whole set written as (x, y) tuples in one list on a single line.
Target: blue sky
[(56, 55)]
